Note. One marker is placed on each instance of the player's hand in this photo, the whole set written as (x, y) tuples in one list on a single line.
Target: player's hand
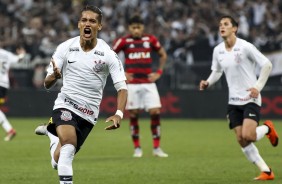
[(21, 52), (254, 93), (56, 70), (153, 77), (203, 85), (116, 119), (129, 76)]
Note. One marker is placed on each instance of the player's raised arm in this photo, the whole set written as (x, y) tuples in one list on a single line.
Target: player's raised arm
[(51, 78)]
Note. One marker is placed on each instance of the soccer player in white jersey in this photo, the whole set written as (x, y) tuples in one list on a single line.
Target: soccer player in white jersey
[(238, 59), (83, 62), (6, 59)]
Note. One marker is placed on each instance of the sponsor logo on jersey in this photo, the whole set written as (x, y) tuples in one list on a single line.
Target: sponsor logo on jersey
[(81, 109), (73, 49), (236, 49), (100, 53), (66, 115), (139, 55), (99, 66), (239, 99), (221, 52), (71, 62)]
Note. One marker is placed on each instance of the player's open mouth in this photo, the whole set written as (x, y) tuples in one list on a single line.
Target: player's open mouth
[(87, 32)]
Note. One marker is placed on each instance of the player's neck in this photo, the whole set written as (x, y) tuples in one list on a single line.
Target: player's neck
[(230, 42), (88, 45)]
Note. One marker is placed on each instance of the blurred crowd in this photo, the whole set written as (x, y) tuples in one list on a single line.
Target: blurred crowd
[(187, 29)]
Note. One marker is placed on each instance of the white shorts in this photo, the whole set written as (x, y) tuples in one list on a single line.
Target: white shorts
[(143, 96)]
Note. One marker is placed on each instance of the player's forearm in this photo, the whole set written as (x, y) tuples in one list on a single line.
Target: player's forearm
[(121, 99), (49, 81), (163, 58), (214, 77), (264, 74)]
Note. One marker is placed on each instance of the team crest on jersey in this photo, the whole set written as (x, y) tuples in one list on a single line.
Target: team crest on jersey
[(238, 58), (146, 44), (131, 45), (66, 115), (100, 53), (99, 66)]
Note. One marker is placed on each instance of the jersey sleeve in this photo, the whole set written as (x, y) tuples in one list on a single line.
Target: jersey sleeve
[(215, 64), (255, 55), (156, 45), (12, 58), (116, 68), (118, 45), (58, 57)]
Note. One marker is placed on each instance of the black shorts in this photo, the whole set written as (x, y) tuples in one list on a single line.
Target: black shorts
[(67, 117), (237, 113), (3, 94)]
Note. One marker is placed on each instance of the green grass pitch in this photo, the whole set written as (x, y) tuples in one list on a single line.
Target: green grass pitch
[(200, 151)]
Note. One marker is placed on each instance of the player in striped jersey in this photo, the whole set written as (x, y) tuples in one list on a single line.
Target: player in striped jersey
[(142, 90), (84, 62), (238, 59)]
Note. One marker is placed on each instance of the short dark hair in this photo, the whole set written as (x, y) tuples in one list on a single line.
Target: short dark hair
[(135, 19), (94, 9), (232, 20)]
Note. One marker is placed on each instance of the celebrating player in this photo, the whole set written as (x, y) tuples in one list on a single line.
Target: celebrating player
[(6, 59), (84, 62), (142, 90), (238, 59)]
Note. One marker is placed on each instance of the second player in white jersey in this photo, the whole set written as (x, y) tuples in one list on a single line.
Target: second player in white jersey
[(6, 59), (239, 65), (84, 96), (239, 59)]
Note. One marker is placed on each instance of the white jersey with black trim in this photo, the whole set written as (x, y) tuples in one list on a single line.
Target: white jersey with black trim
[(239, 66), (84, 76), (6, 59)]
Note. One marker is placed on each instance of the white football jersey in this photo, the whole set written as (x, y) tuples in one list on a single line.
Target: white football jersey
[(239, 66), (84, 76), (6, 59)]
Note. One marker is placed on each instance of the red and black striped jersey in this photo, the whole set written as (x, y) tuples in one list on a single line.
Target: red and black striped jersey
[(138, 55)]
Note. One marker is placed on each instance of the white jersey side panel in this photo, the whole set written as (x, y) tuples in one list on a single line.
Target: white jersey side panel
[(239, 66), (6, 59), (84, 76)]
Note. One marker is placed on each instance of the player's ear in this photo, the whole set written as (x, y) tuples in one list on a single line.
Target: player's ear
[(100, 27)]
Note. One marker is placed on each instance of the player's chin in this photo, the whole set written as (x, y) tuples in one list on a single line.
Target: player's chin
[(87, 37)]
